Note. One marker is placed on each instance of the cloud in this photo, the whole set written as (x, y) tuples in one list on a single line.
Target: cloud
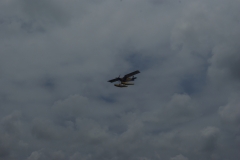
[(230, 112), (57, 57), (179, 157), (210, 135), (35, 156)]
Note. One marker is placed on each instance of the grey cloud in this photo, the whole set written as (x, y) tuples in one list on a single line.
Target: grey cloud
[(230, 112), (179, 157), (57, 57), (12, 123), (35, 156), (45, 130), (58, 155), (12, 127), (225, 65), (42, 154), (32, 16), (210, 135)]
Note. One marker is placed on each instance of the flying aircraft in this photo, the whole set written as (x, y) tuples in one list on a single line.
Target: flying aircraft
[(125, 81)]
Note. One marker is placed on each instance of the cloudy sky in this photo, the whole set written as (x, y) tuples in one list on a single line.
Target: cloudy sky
[(56, 58)]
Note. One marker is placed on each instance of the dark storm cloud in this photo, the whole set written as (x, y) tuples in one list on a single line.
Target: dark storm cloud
[(56, 59)]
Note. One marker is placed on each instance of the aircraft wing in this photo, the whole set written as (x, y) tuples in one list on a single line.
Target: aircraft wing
[(131, 74), (113, 80)]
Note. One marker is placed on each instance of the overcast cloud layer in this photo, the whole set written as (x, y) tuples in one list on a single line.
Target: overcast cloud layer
[(57, 56)]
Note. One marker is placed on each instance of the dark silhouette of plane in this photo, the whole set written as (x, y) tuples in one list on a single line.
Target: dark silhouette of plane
[(125, 81)]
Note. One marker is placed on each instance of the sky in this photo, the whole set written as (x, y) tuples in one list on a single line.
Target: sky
[(56, 59)]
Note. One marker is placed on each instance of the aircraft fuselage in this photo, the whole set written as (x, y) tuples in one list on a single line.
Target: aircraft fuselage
[(128, 79)]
